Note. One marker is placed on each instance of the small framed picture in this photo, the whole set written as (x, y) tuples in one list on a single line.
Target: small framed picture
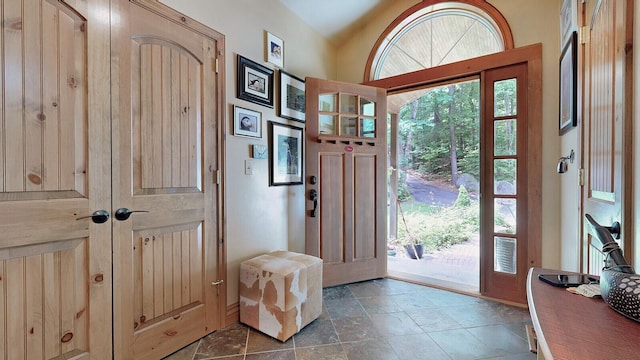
[(255, 82), (275, 50), (568, 86), (247, 122), (285, 165), (259, 151), (292, 98), (568, 19)]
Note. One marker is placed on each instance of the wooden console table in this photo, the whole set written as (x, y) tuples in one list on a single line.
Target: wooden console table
[(570, 326)]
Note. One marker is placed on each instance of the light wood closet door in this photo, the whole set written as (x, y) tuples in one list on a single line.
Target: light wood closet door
[(607, 125), (55, 172), (165, 162)]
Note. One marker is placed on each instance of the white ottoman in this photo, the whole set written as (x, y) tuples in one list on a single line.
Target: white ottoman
[(280, 292)]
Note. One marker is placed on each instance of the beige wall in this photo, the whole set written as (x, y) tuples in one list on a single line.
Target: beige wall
[(259, 218), (530, 23)]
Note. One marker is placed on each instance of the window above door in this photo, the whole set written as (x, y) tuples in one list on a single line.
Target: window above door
[(435, 33)]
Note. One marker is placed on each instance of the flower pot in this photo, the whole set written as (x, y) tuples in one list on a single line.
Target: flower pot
[(417, 254)]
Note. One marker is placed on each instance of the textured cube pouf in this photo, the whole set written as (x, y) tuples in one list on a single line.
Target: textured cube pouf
[(280, 292)]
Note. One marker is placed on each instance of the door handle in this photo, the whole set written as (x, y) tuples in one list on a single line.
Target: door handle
[(313, 196), (123, 214), (98, 216)]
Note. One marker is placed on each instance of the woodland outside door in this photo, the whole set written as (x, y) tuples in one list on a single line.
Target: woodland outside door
[(165, 175), (55, 172), (346, 183)]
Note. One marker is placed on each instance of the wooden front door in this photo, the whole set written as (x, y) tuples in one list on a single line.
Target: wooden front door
[(607, 127), (167, 288), (346, 180), (55, 259)]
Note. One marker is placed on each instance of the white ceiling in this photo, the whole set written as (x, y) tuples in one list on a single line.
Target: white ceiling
[(333, 18)]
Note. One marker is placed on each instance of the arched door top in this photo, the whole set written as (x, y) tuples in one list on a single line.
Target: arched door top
[(437, 32)]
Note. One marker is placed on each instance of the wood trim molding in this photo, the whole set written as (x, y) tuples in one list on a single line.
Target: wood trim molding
[(459, 69), (232, 315)]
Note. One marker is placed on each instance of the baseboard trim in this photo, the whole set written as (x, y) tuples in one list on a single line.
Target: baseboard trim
[(233, 314)]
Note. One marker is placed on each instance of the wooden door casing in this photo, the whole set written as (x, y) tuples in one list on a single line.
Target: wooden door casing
[(529, 215), (55, 263), (349, 231), (607, 122), (166, 162)]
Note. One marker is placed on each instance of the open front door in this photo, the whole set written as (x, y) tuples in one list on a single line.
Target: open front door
[(346, 180)]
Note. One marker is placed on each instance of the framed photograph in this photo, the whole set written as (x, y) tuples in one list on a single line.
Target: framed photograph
[(259, 151), (292, 99), (275, 50), (247, 122), (255, 82), (568, 85), (285, 165), (568, 19)]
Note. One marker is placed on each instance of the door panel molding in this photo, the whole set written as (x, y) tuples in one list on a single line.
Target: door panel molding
[(55, 276)]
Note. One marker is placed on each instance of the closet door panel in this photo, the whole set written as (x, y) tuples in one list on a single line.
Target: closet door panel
[(165, 157), (55, 279)]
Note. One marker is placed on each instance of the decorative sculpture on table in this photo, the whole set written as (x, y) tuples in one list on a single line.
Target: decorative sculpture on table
[(619, 283)]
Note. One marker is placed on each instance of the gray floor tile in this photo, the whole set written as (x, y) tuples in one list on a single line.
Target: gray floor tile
[(383, 319)]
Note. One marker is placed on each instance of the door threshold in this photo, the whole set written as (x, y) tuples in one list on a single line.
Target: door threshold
[(456, 287)]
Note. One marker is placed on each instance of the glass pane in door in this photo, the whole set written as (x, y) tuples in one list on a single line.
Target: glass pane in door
[(505, 255), (327, 124), (367, 107), (368, 128), (504, 176), (348, 126), (504, 216), (504, 137), (348, 103), (505, 97), (328, 103)]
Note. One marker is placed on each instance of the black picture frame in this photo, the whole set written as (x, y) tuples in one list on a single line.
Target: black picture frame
[(254, 82), (286, 160), (292, 97), (247, 122), (568, 109)]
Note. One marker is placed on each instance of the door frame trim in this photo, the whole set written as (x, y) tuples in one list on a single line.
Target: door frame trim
[(532, 55)]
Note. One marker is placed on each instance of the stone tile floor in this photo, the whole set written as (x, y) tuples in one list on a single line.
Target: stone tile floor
[(383, 319)]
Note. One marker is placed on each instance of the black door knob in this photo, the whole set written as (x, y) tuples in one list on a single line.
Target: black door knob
[(124, 213), (98, 216)]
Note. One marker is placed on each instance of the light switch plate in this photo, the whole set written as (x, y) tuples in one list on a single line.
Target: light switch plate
[(248, 167)]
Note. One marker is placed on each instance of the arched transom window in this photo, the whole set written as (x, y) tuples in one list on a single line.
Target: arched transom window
[(438, 33)]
